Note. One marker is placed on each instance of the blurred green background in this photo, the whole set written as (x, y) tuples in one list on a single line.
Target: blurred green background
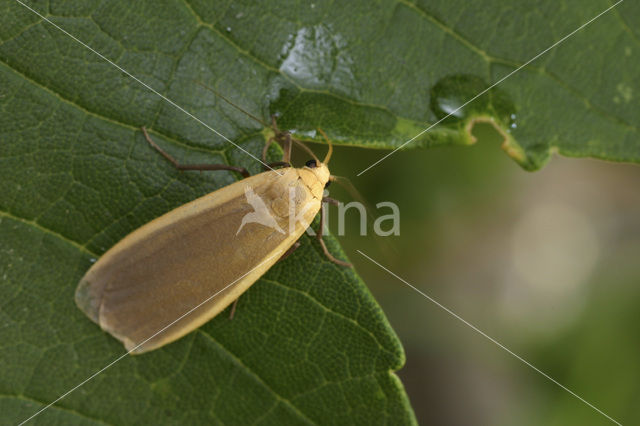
[(546, 263)]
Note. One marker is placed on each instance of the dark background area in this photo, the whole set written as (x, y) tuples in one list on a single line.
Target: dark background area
[(546, 263)]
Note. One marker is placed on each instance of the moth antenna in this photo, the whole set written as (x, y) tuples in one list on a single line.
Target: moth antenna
[(272, 125), (232, 104), (383, 244), (330, 151), (306, 148), (353, 191)]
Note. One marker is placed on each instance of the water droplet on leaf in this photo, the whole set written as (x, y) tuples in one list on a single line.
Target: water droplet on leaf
[(450, 98)]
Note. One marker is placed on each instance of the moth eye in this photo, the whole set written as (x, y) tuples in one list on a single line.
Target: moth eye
[(327, 184), (311, 164)]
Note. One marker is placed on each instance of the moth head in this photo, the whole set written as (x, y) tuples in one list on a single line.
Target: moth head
[(320, 171)]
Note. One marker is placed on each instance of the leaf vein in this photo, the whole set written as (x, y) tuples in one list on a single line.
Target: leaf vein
[(59, 407), (36, 225), (257, 377)]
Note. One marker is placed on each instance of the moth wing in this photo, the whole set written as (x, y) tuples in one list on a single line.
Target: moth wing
[(164, 269)]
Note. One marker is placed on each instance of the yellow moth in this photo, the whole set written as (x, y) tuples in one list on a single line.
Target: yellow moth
[(178, 271)]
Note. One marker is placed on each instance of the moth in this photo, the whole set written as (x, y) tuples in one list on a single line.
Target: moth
[(178, 271)]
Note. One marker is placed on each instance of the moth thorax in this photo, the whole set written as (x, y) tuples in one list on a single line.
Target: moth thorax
[(315, 178)]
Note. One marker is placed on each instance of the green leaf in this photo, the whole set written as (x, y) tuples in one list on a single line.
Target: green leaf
[(372, 76), (308, 343), (382, 78)]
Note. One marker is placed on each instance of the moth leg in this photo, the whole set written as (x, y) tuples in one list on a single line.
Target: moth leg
[(283, 257), (286, 144), (286, 158), (287, 148), (323, 245), (288, 253), (274, 124), (278, 164), (179, 166), (233, 308), (330, 201), (266, 148)]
